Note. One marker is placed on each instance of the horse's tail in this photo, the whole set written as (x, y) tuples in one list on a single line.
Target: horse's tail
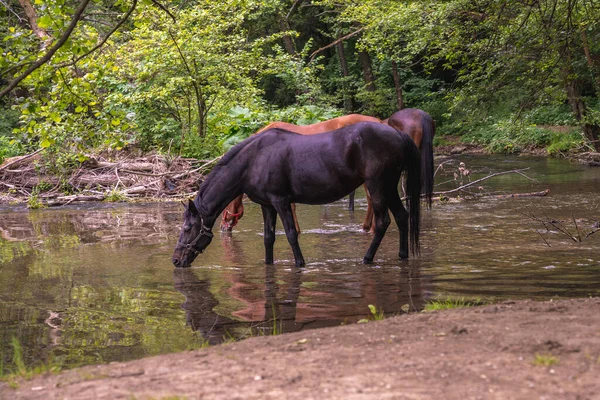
[(413, 190), (428, 128)]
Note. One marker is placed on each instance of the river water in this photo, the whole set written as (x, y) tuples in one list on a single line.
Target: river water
[(92, 284)]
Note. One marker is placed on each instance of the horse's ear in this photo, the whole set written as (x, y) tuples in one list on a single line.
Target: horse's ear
[(184, 205), (192, 208)]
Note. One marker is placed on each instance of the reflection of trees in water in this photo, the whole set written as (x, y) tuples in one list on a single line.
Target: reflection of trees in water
[(151, 224)]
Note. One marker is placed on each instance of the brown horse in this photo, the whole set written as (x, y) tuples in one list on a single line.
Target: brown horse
[(421, 128), (235, 210)]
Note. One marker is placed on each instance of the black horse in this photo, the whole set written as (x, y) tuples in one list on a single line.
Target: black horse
[(276, 168)]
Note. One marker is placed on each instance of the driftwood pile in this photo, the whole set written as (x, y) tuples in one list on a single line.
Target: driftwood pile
[(100, 178), (590, 158)]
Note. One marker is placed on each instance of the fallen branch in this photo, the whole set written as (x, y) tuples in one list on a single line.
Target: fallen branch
[(64, 200), (20, 159), (517, 195), (514, 171), (558, 226)]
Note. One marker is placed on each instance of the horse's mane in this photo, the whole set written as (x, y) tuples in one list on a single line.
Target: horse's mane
[(227, 157)]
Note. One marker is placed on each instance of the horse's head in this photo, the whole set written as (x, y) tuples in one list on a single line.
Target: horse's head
[(232, 214), (195, 236)]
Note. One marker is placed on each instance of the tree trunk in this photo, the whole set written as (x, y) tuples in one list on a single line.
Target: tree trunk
[(590, 131), (365, 61), (397, 85), (32, 18), (348, 104), (594, 69), (287, 39)]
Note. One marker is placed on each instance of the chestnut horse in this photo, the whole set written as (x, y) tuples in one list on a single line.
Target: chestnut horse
[(341, 160), (235, 210)]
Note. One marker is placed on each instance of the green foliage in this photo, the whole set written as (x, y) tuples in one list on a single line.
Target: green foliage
[(451, 303), (20, 370), (496, 72), (8, 148), (551, 114), (239, 122), (545, 360), (563, 143), (116, 196), (376, 315)]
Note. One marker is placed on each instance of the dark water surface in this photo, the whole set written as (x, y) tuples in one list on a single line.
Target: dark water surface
[(91, 284)]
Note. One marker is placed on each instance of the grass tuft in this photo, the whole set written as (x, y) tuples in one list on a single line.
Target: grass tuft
[(452, 303), (545, 360), (21, 370)]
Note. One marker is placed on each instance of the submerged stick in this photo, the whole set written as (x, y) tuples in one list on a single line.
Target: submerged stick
[(514, 171)]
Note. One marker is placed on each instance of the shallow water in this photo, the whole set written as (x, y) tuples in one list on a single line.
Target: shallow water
[(90, 284)]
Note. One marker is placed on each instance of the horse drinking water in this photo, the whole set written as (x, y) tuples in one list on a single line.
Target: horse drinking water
[(277, 168), (235, 210)]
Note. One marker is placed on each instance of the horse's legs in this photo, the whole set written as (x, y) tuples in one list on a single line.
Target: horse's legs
[(382, 218), (351, 200), (401, 217), (269, 219), (284, 210), (368, 223), (293, 205)]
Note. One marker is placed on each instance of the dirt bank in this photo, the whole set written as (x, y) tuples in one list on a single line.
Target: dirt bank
[(475, 353)]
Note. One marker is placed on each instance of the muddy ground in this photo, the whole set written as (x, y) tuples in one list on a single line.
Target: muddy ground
[(484, 352)]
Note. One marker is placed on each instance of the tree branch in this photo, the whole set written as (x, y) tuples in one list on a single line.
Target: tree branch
[(46, 57), (157, 4), (121, 22), (348, 36)]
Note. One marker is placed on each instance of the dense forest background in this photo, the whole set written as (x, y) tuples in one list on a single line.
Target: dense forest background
[(193, 78)]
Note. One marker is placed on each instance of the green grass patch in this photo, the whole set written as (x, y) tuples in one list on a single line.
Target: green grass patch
[(375, 315), (116, 196), (20, 370), (545, 360), (451, 303)]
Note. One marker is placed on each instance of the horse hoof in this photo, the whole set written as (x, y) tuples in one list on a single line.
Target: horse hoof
[(367, 260), (403, 256)]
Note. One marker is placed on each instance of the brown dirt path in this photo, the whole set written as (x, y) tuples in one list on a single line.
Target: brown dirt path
[(474, 353)]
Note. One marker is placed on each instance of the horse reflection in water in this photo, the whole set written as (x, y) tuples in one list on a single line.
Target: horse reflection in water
[(199, 305), (274, 305), (274, 313)]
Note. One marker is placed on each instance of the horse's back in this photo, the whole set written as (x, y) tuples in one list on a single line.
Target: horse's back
[(323, 126), (408, 120), (339, 160)]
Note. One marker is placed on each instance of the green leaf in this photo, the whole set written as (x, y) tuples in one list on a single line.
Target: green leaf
[(44, 22)]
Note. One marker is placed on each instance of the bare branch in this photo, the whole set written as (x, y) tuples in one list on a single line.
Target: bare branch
[(348, 36), (46, 57), (121, 22), (157, 4)]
